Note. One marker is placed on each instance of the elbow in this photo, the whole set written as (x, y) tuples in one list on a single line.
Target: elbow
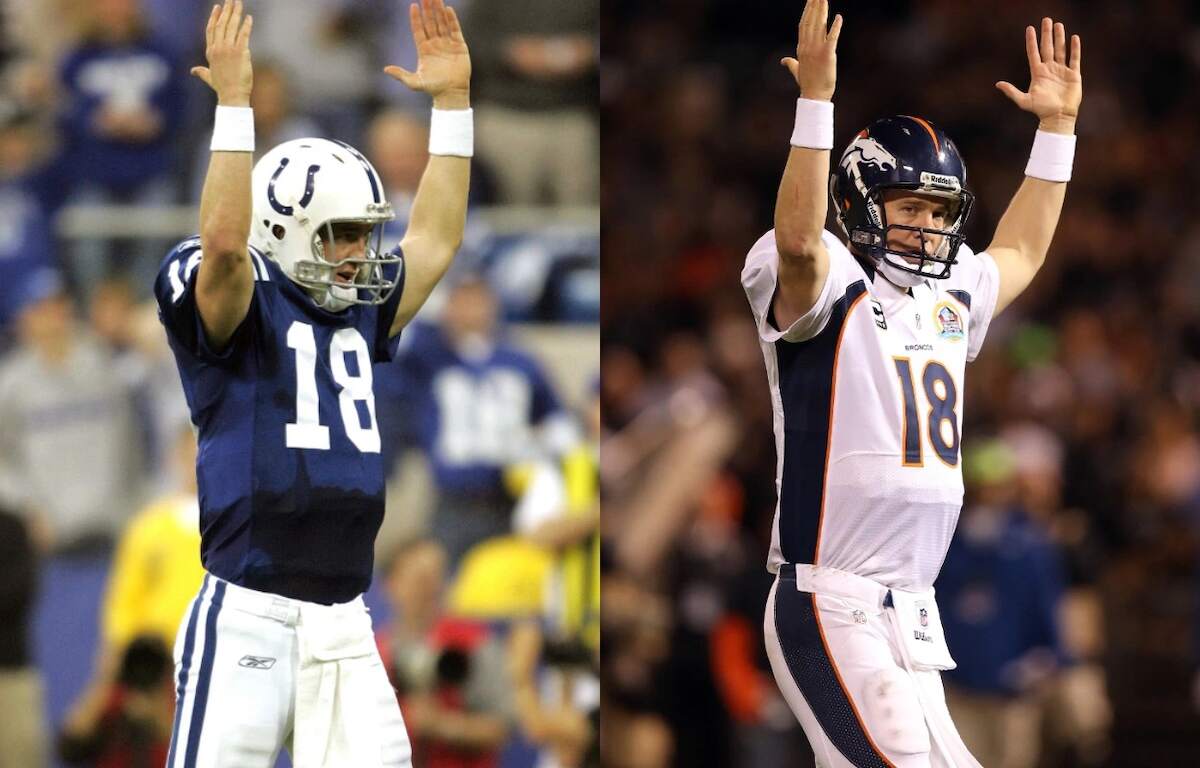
[(440, 246), (796, 243), (433, 254), (450, 247), (451, 239), (221, 245), (799, 232), (1036, 258), (223, 235), (1026, 256), (796, 249)]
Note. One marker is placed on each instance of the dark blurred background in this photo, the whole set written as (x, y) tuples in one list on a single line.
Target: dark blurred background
[(1070, 590)]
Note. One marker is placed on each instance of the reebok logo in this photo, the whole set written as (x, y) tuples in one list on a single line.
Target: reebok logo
[(256, 662)]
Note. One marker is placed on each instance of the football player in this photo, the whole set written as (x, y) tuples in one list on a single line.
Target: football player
[(478, 404), (865, 345), (275, 314)]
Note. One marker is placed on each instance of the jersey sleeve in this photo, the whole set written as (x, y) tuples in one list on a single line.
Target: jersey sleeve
[(975, 281), (386, 346), (760, 279), (175, 292)]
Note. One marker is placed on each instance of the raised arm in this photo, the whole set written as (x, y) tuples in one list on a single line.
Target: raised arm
[(800, 205), (1055, 89), (439, 210), (225, 281)]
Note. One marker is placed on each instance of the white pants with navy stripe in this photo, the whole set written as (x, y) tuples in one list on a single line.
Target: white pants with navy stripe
[(838, 664), (256, 672)]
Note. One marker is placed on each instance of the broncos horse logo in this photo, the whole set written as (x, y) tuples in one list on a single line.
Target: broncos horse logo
[(868, 151)]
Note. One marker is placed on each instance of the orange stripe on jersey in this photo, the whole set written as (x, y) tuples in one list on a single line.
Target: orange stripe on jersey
[(846, 691), (837, 351), (937, 147)]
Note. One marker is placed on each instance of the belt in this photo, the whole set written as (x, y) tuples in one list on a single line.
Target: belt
[(831, 581), (285, 610)]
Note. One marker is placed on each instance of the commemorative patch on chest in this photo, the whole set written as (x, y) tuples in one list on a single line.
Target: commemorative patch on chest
[(947, 321)]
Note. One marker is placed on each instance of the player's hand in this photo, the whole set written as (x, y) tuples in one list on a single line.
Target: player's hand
[(1055, 83), (229, 71), (815, 65), (443, 62)]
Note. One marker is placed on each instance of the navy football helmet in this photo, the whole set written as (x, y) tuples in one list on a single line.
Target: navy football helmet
[(905, 153)]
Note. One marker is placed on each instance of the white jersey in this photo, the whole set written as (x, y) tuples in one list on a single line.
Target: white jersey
[(867, 391)]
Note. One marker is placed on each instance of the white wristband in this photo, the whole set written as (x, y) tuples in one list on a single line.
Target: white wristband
[(452, 132), (1052, 156), (233, 130), (814, 124)]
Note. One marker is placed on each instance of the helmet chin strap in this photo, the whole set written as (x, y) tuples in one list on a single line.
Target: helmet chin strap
[(899, 277), (332, 298), (903, 278), (339, 297)]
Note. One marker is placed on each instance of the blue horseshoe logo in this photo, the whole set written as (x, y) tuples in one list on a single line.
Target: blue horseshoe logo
[(286, 210)]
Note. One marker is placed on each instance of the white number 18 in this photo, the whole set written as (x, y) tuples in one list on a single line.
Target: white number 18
[(307, 431)]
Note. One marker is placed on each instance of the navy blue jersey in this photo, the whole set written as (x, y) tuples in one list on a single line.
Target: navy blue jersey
[(95, 75), (289, 467), (472, 416), (999, 593)]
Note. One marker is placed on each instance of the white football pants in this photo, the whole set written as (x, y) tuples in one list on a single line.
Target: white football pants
[(838, 664), (256, 672)]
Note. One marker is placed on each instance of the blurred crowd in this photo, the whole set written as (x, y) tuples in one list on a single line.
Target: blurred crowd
[(486, 597), (1069, 593)]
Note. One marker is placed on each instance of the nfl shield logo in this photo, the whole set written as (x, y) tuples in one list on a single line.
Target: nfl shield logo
[(924, 617)]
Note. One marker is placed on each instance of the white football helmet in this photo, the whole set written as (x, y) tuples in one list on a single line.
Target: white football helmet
[(300, 189)]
